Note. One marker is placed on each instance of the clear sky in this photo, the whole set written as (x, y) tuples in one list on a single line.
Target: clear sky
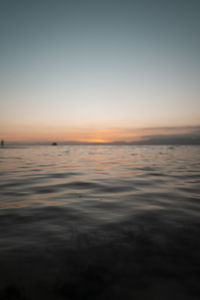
[(98, 70)]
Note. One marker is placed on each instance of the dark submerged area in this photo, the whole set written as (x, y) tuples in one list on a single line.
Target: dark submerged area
[(145, 258)]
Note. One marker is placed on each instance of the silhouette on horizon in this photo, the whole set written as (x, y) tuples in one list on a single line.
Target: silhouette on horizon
[(2, 143), (54, 144)]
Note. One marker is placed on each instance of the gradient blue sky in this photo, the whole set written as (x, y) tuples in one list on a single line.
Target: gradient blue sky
[(98, 70)]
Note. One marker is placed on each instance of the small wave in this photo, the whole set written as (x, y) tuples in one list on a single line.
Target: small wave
[(112, 227)]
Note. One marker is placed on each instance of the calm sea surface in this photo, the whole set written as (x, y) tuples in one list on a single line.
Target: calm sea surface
[(100, 222)]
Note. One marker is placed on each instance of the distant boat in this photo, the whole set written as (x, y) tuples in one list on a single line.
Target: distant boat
[(54, 144)]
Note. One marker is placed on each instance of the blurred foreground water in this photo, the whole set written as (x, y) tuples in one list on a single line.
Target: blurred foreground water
[(100, 222)]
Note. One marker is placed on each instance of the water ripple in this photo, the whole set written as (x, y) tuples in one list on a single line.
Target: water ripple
[(106, 222)]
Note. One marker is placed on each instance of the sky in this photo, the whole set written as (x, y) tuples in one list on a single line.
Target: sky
[(98, 71)]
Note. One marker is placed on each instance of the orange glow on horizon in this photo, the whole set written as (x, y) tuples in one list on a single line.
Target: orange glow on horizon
[(98, 141), (85, 135)]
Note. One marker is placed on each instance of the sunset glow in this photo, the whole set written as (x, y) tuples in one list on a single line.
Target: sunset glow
[(98, 72), (92, 135)]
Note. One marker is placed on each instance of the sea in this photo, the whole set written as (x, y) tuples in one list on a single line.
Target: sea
[(86, 222)]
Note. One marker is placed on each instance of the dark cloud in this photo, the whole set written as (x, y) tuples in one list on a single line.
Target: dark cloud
[(189, 129), (171, 139), (185, 135)]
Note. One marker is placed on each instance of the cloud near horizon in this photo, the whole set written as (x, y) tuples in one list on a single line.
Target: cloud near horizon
[(110, 135)]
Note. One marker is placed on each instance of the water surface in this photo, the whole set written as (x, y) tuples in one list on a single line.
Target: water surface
[(100, 222)]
